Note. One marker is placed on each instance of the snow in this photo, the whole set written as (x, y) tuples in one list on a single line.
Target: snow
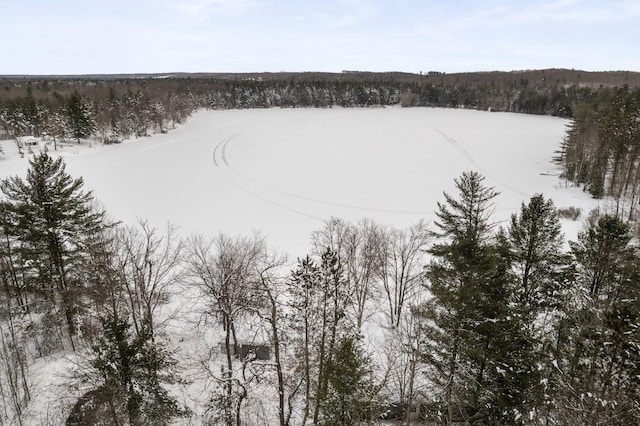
[(53, 387), (284, 171)]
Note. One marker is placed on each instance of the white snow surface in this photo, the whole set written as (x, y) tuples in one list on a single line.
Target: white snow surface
[(284, 171)]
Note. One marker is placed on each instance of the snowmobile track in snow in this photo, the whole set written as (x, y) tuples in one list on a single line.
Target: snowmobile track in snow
[(468, 156), (221, 147)]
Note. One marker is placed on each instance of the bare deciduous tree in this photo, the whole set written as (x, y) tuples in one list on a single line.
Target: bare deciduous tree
[(403, 261), (226, 271), (359, 248), (150, 266), (272, 284)]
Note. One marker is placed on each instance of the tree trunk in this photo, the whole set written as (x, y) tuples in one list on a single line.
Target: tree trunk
[(307, 368), (228, 373), (276, 352), (321, 388), (451, 380)]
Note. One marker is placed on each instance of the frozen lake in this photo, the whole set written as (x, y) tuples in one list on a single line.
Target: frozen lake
[(284, 171)]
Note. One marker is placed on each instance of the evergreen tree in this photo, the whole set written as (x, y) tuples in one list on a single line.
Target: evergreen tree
[(333, 304), (602, 146), (319, 300), (132, 367), (535, 240), (55, 126), (80, 116), (52, 217), (350, 386), (533, 245), (602, 253), (303, 313), (112, 106), (475, 348), (598, 355)]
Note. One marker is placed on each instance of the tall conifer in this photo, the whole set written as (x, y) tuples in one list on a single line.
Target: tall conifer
[(52, 216), (474, 348)]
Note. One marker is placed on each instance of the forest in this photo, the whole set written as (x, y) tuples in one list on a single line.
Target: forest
[(114, 108), (478, 323), (483, 324), (602, 147)]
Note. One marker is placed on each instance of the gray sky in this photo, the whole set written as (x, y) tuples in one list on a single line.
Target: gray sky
[(158, 36)]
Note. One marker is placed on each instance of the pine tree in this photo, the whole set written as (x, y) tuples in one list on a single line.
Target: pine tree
[(132, 368), (350, 385), (333, 304), (55, 125), (542, 272), (302, 307), (319, 300), (52, 217), (602, 251), (80, 116), (598, 354), (112, 106), (535, 240), (474, 346)]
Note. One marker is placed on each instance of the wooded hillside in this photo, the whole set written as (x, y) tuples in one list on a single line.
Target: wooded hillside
[(115, 107)]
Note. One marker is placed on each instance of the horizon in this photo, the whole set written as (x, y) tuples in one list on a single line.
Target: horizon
[(170, 74), (256, 36)]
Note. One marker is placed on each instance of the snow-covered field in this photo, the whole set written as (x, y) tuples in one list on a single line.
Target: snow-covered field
[(284, 171)]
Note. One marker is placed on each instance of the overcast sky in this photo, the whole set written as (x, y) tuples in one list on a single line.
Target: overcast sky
[(161, 36)]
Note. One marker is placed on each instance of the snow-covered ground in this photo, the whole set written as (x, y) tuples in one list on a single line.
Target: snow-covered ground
[(284, 171)]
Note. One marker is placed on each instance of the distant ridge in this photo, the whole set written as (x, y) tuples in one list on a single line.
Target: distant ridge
[(553, 75)]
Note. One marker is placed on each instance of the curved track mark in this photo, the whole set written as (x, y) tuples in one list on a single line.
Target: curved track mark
[(223, 142), (222, 145), (223, 150), (459, 147), (473, 161)]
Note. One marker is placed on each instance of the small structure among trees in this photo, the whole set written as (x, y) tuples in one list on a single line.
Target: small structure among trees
[(248, 351)]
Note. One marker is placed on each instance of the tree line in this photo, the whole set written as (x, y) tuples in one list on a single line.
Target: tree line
[(472, 323), (113, 108), (602, 148), (109, 117)]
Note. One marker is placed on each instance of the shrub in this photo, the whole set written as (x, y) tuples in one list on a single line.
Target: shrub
[(571, 213)]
